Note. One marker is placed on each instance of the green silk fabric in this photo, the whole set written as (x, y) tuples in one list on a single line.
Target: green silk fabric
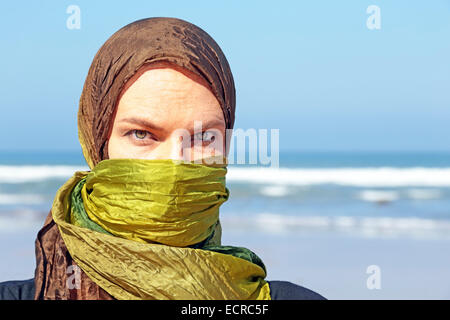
[(205, 184)]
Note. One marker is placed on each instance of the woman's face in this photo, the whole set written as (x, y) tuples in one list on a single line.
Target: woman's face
[(156, 115)]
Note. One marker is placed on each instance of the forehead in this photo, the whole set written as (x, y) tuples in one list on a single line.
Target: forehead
[(167, 94)]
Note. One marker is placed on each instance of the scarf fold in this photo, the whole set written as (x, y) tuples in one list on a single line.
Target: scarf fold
[(125, 268), (55, 269), (160, 201), (79, 217)]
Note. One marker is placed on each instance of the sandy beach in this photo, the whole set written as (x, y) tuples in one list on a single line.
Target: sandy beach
[(335, 265)]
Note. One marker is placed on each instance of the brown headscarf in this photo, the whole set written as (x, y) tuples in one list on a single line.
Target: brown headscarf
[(125, 52), (137, 44)]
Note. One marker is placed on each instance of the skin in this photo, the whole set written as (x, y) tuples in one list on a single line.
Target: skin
[(170, 99)]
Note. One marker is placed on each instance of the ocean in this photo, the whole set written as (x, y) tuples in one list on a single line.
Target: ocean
[(313, 200), (372, 194)]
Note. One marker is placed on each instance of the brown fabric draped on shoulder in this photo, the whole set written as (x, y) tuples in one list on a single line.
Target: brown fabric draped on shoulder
[(125, 52), (53, 274), (142, 42)]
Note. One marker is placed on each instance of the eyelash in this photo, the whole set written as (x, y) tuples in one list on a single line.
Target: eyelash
[(137, 139), (134, 138)]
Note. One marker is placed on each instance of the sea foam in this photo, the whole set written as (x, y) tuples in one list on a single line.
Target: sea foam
[(363, 177), (23, 174), (274, 223)]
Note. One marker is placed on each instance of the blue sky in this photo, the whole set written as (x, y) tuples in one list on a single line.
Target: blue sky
[(311, 69)]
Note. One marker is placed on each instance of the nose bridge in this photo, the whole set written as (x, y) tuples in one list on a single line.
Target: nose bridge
[(178, 144), (175, 146)]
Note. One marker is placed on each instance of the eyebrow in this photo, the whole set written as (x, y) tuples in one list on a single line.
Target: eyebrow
[(143, 123), (150, 125)]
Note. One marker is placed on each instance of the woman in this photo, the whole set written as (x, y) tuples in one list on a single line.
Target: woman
[(141, 224)]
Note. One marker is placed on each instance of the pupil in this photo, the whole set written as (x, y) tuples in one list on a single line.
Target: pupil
[(207, 136), (140, 134)]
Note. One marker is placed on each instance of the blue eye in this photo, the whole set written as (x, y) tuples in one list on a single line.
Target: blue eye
[(206, 136)]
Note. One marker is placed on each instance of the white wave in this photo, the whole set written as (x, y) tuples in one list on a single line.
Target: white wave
[(20, 220), (378, 196), (21, 199), (367, 226), (424, 194), (366, 177), (275, 191), (22, 174)]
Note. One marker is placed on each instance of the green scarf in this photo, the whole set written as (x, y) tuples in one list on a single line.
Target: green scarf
[(149, 229), (80, 218)]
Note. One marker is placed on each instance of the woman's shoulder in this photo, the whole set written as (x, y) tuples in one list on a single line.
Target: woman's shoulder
[(17, 290), (285, 290)]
